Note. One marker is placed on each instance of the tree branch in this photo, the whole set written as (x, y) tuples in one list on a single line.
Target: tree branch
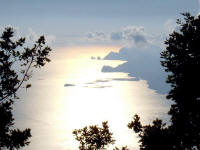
[(22, 81)]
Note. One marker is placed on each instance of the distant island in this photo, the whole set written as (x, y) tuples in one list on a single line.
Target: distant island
[(98, 57), (66, 85), (142, 63)]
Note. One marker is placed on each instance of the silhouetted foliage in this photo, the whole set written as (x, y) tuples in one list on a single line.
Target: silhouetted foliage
[(181, 60), (9, 137), (136, 124), (94, 137), (123, 148), (14, 54), (152, 137), (16, 62)]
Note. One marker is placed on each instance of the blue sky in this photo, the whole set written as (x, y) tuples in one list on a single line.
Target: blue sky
[(68, 22)]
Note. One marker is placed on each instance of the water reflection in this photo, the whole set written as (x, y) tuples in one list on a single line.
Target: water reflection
[(53, 110)]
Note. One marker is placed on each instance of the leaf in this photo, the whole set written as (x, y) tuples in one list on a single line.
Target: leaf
[(28, 86)]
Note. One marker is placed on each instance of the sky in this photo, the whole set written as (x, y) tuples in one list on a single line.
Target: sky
[(84, 28), (93, 22)]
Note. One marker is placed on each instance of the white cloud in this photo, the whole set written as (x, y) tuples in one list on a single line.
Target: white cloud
[(116, 36), (130, 35), (50, 39), (135, 35), (96, 36), (170, 25), (32, 36)]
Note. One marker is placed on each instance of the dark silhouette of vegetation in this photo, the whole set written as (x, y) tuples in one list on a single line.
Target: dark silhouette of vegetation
[(16, 63), (94, 137), (123, 148), (151, 137), (181, 60)]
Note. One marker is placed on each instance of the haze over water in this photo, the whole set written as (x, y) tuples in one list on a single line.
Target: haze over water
[(71, 92)]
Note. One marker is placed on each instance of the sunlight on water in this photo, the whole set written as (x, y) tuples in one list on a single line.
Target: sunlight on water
[(72, 92)]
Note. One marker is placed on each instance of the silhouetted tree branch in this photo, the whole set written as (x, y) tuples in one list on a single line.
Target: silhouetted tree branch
[(14, 53), (16, 62), (123, 148), (181, 60), (152, 137), (94, 137)]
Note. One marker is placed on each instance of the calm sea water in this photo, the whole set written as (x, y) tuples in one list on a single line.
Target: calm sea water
[(71, 93)]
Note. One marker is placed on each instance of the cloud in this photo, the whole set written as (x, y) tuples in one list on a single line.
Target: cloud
[(115, 36), (50, 39), (96, 36), (143, 63), (16, 29), (170, 25), (32, 36), (135, 34), (129, 35)]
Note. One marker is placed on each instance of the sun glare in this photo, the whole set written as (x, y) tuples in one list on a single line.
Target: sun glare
[(89, 96), (77, 94), (82, 52)]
